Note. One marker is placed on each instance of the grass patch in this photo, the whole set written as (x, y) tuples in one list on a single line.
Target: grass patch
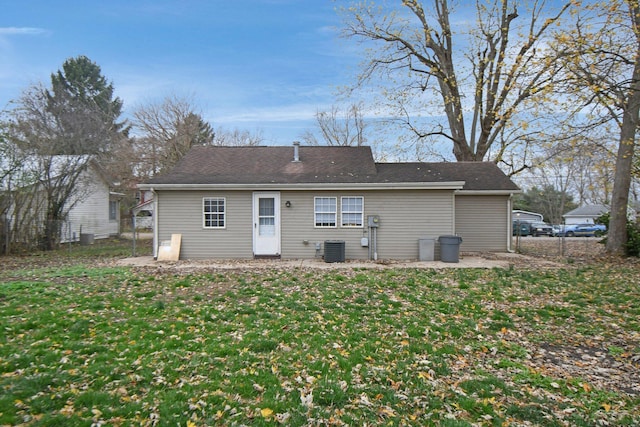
[(86, 343)]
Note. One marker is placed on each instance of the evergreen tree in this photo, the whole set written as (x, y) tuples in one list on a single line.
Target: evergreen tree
[(82, 101)]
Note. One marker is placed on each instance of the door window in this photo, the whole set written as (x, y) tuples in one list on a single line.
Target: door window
[(266, 217)]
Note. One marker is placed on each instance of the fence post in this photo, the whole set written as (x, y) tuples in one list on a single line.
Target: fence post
[(133, 232), (7, 227)]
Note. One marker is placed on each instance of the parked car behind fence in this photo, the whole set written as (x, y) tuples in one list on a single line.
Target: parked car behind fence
[(585, 230), (540, 229), (521, 228)]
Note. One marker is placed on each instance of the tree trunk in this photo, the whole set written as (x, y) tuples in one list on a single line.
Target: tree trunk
[(622, 181), (617, 237)]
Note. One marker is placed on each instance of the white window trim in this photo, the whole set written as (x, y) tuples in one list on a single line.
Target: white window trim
[(204, 214), (335, 213), (342, 212)]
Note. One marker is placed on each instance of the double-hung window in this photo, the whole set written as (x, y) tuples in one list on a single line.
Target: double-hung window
[(352, 211), (325, 211), (213, 212)]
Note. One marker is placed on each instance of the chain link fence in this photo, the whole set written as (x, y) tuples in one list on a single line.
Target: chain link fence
[(559, 247)]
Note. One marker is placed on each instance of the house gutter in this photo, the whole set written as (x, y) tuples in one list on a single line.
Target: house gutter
[(450, 185), (155, 222), (488, 192), (510, 225)]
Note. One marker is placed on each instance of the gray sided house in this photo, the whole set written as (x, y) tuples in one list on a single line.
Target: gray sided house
[(246, 202)]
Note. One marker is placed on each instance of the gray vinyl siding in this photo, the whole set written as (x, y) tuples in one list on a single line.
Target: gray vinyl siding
[(181, 212), (405, 216), (482, 222)]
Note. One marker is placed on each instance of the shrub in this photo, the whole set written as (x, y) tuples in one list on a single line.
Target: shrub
[(632, 246)]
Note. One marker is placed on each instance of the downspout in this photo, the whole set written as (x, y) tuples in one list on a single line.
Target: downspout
[(155, 223), (509, 224), (454, 229)]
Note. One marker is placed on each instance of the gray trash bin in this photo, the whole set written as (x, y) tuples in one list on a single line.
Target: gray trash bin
[(450, 248), (426, 249), (86, 239)]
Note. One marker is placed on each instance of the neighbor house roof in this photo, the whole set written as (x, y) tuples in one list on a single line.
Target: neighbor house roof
[(588, 211), (321, 165)]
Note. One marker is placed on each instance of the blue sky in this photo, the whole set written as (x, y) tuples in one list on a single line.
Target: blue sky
[(257, 65)]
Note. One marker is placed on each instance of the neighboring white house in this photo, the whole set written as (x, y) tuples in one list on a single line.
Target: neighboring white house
[(98, 210), (96, 207), (585, 214)]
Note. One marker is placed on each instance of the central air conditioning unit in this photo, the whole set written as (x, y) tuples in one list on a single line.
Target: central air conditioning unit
[(334, 250)]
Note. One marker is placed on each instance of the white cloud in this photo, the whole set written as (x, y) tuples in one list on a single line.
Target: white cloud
[(268, 114), (19, 31)]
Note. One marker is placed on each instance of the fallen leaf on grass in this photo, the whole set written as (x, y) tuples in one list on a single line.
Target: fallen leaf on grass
[(387, 412), (283, 418), (306, 397), (424, 375)]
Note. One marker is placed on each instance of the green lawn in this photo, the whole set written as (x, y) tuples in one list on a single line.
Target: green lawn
[(83, 342)]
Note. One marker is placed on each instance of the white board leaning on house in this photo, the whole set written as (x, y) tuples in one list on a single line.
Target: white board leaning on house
[(169, 250)]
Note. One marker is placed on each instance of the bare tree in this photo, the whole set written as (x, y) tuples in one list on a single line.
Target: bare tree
[(54, 133), (44, 187), (578, 166), (169, 129), (484, 78), (346, 128), (237, 137), (10, 167)]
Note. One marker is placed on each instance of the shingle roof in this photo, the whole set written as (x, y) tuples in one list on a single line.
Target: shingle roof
[(257, 165), (476, 175), (321, 164), (588, 210)]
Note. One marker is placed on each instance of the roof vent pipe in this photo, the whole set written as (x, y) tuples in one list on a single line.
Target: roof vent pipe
[(296, 151)]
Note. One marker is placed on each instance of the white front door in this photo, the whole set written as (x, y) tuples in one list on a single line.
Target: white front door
[(266, 223)]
